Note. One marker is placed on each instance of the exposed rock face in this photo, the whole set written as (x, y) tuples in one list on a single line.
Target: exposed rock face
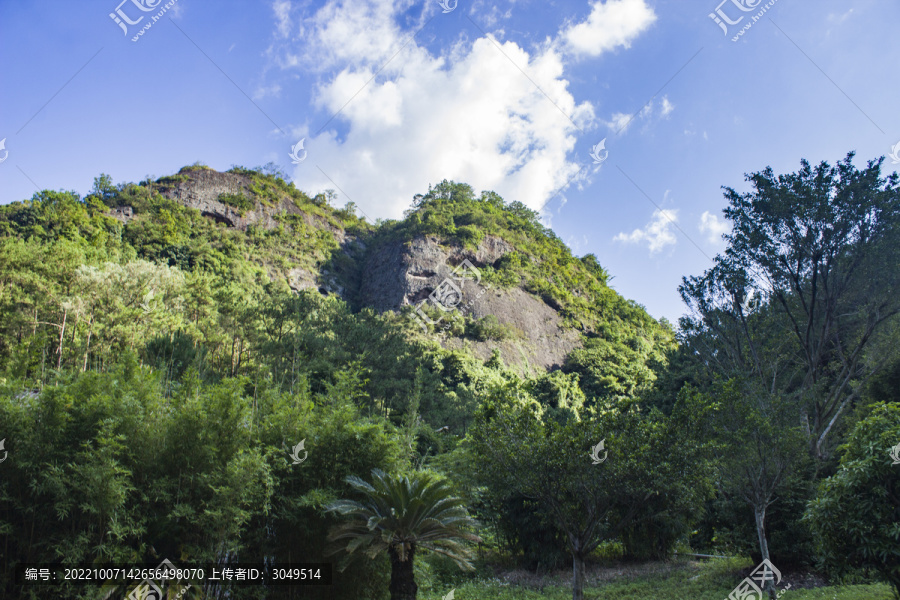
[(395, 275), (300, 279), (545, 343), (202, 188), (399, 274), (122, 213)]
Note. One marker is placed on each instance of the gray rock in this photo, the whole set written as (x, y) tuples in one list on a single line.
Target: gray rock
[(398, 274), (403, 274)]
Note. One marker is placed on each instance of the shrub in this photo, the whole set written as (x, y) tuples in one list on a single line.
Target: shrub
[(238, 201), (856, 516), (489, 328)]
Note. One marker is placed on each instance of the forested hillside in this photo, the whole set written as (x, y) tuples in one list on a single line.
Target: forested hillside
[(168, 347)]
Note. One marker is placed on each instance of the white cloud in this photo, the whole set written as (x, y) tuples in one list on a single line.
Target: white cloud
[(666, 107), (478, 122), (620, 122), (611, 24), (713, 227), (657, 234), (468, 115), (357, 34), (489, 14), (282, 10), (422, 119)]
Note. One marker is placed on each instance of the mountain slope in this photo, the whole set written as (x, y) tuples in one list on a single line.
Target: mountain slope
[(526, 296)]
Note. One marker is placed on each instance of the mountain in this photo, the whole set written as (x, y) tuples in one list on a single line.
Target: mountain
[(524, 296), (164, 344)]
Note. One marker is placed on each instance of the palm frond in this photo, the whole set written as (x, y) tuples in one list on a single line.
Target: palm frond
[(403, 513)]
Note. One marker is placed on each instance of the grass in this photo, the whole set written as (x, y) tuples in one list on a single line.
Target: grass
[(681, 580)]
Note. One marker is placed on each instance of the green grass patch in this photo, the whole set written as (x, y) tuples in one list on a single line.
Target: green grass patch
[(197, 166), (173, 179), (712, 580)]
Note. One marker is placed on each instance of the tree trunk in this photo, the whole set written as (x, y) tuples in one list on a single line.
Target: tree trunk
[(760, 515), (403, 581), (87, 347), (62, 332), (577, 576)]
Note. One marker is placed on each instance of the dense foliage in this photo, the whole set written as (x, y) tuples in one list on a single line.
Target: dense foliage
[(856, 518), (404, 516), (158, 369)]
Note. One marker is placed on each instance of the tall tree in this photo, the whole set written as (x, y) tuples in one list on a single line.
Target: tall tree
[(818, 250), (759, 447), (545, 454)]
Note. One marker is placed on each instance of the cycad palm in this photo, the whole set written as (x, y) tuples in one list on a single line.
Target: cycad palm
[(402, 515)]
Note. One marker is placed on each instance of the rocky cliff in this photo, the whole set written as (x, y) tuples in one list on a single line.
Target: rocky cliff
[(387, 276), (406, 273)]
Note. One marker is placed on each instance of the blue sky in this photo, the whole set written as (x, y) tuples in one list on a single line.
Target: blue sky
[(509, 96)]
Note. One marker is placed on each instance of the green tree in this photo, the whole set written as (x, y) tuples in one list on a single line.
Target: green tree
[(759, 447), (614, 369), (685, 471), (124, 304), (545, 455), (402, 515), (818, 252), (856, 516), (340, 442), (104, 190)]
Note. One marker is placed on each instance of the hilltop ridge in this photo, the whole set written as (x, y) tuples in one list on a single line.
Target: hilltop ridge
[(534, 302)]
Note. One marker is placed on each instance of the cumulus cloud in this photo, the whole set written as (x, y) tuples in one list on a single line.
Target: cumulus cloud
[(405, 117), (657, 234), (611, 24), (713, 227), (479, 122)]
